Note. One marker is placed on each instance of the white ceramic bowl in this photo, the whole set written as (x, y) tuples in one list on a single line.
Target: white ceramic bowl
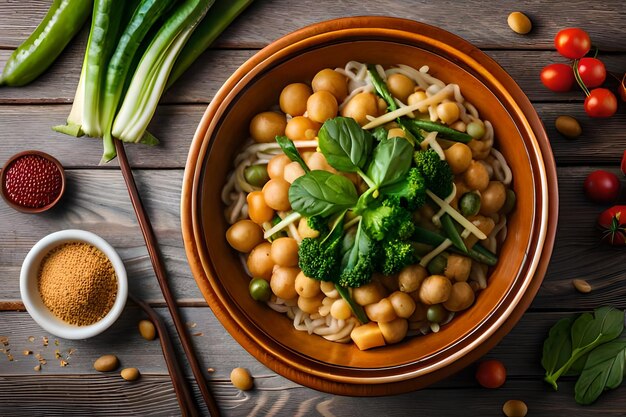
[(32, 299)]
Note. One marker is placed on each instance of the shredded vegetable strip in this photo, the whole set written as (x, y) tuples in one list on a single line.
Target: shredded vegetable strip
[(295, 216), (436, 218), (431, 255)]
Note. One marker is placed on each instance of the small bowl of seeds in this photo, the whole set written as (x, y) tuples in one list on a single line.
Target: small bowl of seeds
[(73, 284)]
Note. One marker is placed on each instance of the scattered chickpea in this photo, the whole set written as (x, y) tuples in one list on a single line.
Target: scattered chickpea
[(519, 23), (241, 379)]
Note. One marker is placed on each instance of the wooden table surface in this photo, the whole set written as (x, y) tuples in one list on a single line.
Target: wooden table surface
[(97, 201)]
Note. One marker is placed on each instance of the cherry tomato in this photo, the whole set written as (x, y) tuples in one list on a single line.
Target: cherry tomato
[(623, 164), (600, 103), (592, 72), (572, 43), (602, 186), (612, 224), (491, 374), (558, 77)]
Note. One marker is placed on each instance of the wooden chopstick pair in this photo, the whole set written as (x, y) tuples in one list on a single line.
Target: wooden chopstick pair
[(180, 383)]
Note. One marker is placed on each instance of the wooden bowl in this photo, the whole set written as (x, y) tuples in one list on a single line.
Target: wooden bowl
[(418, 361)]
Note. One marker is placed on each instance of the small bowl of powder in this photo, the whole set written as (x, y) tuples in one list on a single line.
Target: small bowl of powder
[(73, 284)]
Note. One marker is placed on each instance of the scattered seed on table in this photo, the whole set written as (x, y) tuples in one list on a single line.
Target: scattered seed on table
[(37, 368), (31, 339), (45, 341), (515, 408), (519, 23), (63, 364), (130, 374), (147, 329), (106, 363), (27, 352), (581, 286), (241, 379), (568, 126)]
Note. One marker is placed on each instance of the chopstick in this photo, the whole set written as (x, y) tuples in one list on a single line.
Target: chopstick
[(159, 270), (181, 387)]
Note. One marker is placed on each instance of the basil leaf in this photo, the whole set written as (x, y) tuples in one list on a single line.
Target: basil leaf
[(557, 348), (345, 144), (320, 193), (289, 148), (604, 370), (606, 325), (355, 242), (391, 161)]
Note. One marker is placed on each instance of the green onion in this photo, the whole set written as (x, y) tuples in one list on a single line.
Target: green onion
[(149, 79), (453, 234), (143, 18), (223, 12)]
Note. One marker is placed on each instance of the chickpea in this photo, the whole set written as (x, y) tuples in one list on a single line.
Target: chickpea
[(318, 161), (480, 149), (292, 172), (264, 127), (400, 86), (459, 125), (484, 224), (382, 105), (305, 231), (435, 289), (321, 106), (331, 81), (381, 311), (459, 157), (244, 235), (329, 290), (411, 277), (258, 210), (293, 98), (310, 305), (390, 282), (416, 97), (395, 330), (448, 112), (419, 314), (276, 194), (476, 176), (276, 166), (402, 304), (307, 287), (396, 132), (260, 262), (340, 309), (461, 297), (285, 251), (301, 128), (493, 198), (283, 282), (519, 23), (568, 126), (360, 106), (241, 379), (368, 293), (458, 267)]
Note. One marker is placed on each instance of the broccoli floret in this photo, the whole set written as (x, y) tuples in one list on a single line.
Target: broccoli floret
[(388, 221), (318, 223), (409, 192), (436, 172), (318, 260), (360, 273), (358, 257), (394, 256)]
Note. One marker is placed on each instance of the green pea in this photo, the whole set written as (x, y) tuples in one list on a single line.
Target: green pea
[(475, 130), (509, 203), (260, 289), (438, 264), (256, 175), (436, 313), (469, 204)]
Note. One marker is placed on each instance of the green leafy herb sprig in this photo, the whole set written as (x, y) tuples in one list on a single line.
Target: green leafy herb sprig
[(587, 346)]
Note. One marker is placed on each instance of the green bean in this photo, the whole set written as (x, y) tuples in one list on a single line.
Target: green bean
[(469, 204), (445, 132), (62, 22), (477, 252), (453, 234), (256, 175), (481, 254)]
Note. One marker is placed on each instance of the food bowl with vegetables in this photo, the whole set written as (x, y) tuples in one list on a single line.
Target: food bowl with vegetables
[(369, 205)]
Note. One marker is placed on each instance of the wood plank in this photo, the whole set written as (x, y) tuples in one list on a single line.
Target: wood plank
[(576, 254), (602, 141), (212, 69), (265, 21)]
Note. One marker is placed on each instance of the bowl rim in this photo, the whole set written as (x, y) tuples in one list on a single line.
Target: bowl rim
[(189, 203), (32, 210), (31, 298)]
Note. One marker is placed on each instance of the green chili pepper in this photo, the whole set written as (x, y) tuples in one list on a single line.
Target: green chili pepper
[(445, 132), (63, 20)]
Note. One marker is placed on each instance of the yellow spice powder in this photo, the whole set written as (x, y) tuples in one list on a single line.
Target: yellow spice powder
[(77, 283)]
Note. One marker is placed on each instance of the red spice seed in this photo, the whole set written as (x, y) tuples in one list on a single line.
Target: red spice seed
[(33, 181)]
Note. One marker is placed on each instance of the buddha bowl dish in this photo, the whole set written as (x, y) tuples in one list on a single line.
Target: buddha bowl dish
[(366, 110)]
